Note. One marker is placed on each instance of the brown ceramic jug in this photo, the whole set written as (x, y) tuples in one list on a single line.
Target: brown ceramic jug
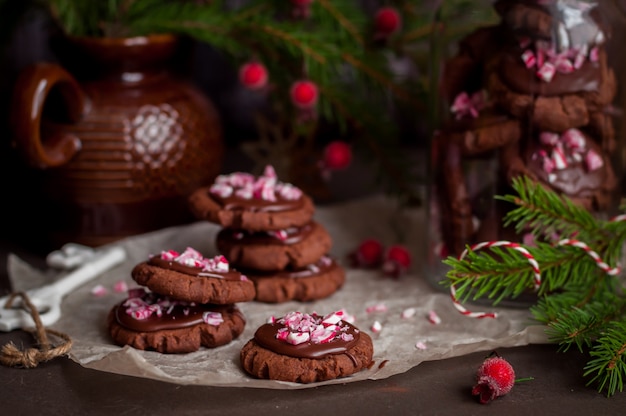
[(121, 139)]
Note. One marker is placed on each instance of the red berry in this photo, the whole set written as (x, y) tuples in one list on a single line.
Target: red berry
[(337, 155), (397, 260), (253, 75), (304, 94), (369, 254), (494, 378), (387, 21)]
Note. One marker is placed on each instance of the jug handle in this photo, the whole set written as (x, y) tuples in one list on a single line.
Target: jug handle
[(32, 88)]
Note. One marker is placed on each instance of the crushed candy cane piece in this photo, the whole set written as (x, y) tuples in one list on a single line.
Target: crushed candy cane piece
[(548, 138), (120, 287), (529, 58), (269, 172), (281, 235), (345, 316), (246, 192), (376, 327), (323, 334), (574, 139), (465, 105), (302, 327), (559, 158), (379, 307), (546, 72), (222, 190), (213, 318), (433, 318), (420, 345), (99, 290), (408, 313), (593, 160), (296, 338), (169, 255), (245, 186)]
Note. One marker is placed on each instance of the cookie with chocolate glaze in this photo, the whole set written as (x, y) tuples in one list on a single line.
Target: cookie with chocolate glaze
[(307, 348), (293, 247), (193, 278), (240, 200), (148, 321), (315, 281)]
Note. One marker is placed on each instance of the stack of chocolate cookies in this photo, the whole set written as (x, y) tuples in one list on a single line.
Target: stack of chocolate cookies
[(269, 234), (190, 302), (530, 96)]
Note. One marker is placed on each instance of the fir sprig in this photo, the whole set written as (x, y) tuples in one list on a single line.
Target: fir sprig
[(580, 303)]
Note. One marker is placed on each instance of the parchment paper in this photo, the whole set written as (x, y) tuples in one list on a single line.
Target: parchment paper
[(395, 349)]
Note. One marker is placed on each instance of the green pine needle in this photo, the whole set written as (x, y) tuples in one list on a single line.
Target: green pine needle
[(581, 305)]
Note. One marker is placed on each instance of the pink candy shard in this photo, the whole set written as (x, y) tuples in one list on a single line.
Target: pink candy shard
[(379, 307), (546, 72), (246, 186), (120, 287), (221, 190), (464, 105), (529, 58), (408, 313), (548, 138), (212, 318), (420, 345), (323, 334), (296, 338), (593, 160), (433, 318), (376, 327), (169, 255), (301, 327), (269, 172), (281, 235), (99, 291), (558, 157), (574, 139)]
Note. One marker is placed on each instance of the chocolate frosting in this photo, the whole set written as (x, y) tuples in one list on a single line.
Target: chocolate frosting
[(294, 235), (258, 205), (574, 181), (181, 315), (516, 76), (266, 337), (322, 266), (232, 274)]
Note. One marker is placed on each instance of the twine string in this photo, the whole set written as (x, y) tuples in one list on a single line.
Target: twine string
[(12, 356)]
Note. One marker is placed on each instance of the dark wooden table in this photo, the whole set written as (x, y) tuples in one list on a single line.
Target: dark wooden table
[(441, 387)]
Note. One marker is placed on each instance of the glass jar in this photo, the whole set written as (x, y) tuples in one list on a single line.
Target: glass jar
[(533, 95)]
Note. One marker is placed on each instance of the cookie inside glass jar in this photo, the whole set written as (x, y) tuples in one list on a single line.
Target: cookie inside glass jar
[(531, 95)]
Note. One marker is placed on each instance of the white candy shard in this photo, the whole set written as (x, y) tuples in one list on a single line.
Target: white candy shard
[(408, 313), (376, 327), (433, 318)]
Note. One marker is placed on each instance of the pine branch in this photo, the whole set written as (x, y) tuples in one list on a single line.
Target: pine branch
[(608, 359), (581, 304)]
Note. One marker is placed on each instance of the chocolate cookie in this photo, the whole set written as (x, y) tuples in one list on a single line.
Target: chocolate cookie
[(307, 348), (193, 278), (573, 165), (239, 200), (148, 321), (312, 282), (294, 247)]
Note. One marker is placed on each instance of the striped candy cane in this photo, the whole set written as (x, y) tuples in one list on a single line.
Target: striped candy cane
[(515, 246), (612, 271)]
